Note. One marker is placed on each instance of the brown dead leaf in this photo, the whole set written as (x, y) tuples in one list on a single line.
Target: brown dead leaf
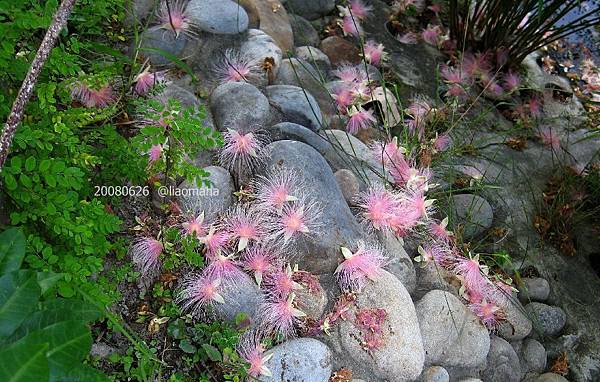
[(516, 143), (342, 375), (561, 365)]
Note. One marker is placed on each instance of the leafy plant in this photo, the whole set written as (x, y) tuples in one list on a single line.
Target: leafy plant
[(518, 27), (42, 338)]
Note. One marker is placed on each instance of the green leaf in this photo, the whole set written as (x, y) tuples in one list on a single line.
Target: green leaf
[(24, 363), (50, 179), (19, 293), (12, 250), (10, 182), (187, 346), (15, 163), (30, 163), (45, 165), (46, 280), (171, 57), (212, 353)]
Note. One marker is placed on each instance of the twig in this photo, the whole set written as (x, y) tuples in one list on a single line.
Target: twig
[(18, 108)]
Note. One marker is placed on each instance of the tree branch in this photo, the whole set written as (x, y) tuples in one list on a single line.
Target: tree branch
[(18, 108)]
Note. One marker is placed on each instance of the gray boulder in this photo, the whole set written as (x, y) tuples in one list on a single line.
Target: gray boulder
[(296, 105), (534, 289), (218, 16), (161, 40), (316, 58), (304, 32), (239, 104), (533, 356), (243, 297), (213, 199), (549, 320), (435, 374), (299, 360), (502, 362), (473, 212), (310, 9), (551, 377)]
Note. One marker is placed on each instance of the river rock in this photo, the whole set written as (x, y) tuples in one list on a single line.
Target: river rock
[(400, 356), (435, 374), (162, 40), (454, 339), (400, 264), (534, 289), (516, 324), (533, 356), (320, 252), (348, 184), (502, 362), (296, 105), (275, 22), (473, 212), (310, 9), (259, 48), (214, 199), (245, 297), (218, 16), (299, 360), (236, 104), (304, 32), (340, 51), (316, 58), (551, 377), (549, 320)]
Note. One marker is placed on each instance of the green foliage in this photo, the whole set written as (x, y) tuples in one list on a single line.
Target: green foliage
[(42, 338)]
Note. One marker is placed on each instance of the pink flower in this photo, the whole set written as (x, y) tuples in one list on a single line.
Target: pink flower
[(259, 260), (194, 226), (93, 98), (244, 224), (234, 67), (409, 38), (535, 106), (511, 82), (351, 26), (476, 65), (277, 189), (145, 253), (358, 9), (453, 76), (154, 154), (225, 268), (350, 74), (359, 119), (280, 283), (215, 241), (253, 352), (177, 20), (439, 232), (295, 220), (489, 313), (494, 88), (146, 80), (199, 292), (438, 253), (344, 98), (549, 138), (358, 267), (242, 151), (432, 35), (280, 316), (388, 153), (416, 205), (378, 206), (472, 274), (374, 53), (360, 91), (442, 142), (456, 91)]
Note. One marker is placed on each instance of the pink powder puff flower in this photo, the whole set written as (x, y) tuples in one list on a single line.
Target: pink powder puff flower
[(476, 65), (356, 8), (493, 88), (244, 224), (199, 292), (351, 26), (453, 75), (253, 352), (215, 241), (344, 98), (374, 52), (473, 273), (235, 67), (277, 189), (93, 98), (412, 178), (350, 74), (442, 142), (359, 119), (488, 313), (432, 35), (549, 138), (279, 315), (360, 91), (242, 151), (259, 260), (435, 8), (456, 91), (154, 154), (511, 82), (377, 206), (225, 268), (408, 38), (535, 106), (194, 226), (358, 267), (416, 205), (146, 80), (438, 253), (145, 253), (296, 219), (280, 283), (439, 232), (388, 153), (177, 20), (421, 111)]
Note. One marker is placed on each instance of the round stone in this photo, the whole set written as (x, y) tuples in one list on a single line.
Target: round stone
[(534, 289), (435, 374), (340, 51), (348, 184), (218, 16), (473, 212), (549, 320)]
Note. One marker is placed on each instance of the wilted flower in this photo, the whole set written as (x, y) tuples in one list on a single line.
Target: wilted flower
[(511, 82), (549, 138), (92, 98), (374, 52), (432, 35)]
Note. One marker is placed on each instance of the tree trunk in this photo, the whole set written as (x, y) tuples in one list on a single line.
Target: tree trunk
[(18, 108)]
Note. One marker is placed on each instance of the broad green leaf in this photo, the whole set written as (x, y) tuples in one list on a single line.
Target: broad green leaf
[(212, 352), (19, 294), (10, 182), (24, 363), (45, 165), (12, 250), (187, 346), (46, 280), (30, 163)]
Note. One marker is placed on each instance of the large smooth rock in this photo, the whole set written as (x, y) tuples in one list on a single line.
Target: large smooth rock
[(533, 356), (551, 377), (473, 212), (299, 360), (310, 9), (400, 356), (274, 21), (340, 51), (162, 40), (435, 374), (304, 32), (502, 362), (517, 324), (534, 289), (452, 335), (430, 277), (297, 72), (243, 297), (316, 58), (185, 97), (239, 104), (401, 264), (214, 199), (259, 48), (549, 320), (320, 252), (218, 16), (348, 184), (296, 105)]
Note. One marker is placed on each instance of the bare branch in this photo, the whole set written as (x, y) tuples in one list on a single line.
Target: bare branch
[(18, 108)]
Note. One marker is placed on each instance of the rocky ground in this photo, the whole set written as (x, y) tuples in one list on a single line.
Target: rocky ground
[(429, 334)]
